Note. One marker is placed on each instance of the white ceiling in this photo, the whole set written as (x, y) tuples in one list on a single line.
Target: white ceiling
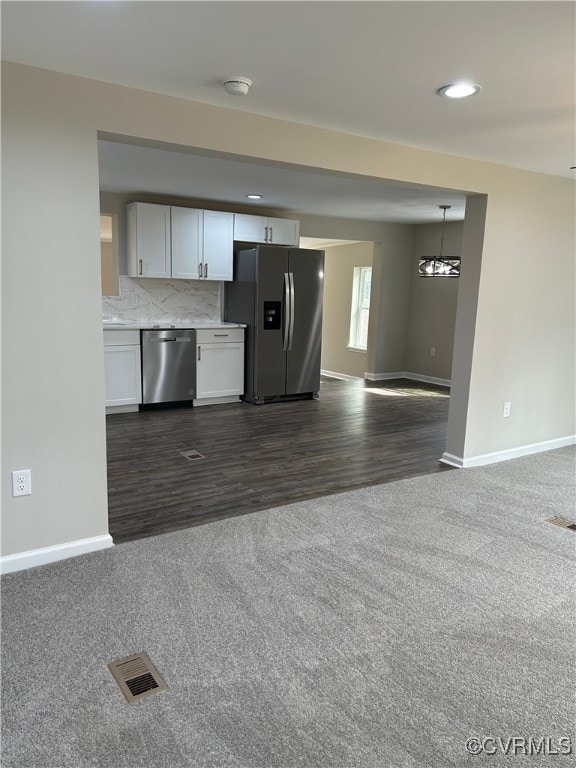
[(366, 68)]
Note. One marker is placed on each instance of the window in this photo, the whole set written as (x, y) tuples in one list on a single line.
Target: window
[(360, 307)]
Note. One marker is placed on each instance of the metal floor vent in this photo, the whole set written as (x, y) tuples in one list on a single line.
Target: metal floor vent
[(192, 455), (137, 677), (562, 522)]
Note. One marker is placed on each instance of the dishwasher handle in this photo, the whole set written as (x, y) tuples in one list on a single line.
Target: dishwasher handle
[(156, 340)]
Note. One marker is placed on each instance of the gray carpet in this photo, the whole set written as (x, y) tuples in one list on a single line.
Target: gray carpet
[(379, 628)]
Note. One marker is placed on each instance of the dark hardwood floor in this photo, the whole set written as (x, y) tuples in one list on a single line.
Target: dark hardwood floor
[(256, 457)]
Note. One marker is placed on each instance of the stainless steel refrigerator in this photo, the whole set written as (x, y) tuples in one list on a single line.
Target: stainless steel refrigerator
[(277, 294)]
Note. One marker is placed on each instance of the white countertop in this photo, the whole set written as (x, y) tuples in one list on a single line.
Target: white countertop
[(167, 326)]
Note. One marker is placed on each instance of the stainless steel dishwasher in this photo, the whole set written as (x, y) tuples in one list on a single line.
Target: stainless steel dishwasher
[(168, 366)]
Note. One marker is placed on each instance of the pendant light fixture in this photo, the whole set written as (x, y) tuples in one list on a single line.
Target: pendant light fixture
[(440, 266)]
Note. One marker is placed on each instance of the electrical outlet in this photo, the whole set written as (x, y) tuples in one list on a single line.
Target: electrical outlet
[(21, 482), (131, 300), (432, 351), (506, 409)]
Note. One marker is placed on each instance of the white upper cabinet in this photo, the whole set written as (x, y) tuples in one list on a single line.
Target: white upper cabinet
[(284, 232), (218, 244), (265, 229), (250, 229), (149, 250), (182, 243), (186, 243)]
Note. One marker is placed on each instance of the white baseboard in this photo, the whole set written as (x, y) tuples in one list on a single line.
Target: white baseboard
[(121, 409), (510, 453), (215, 400), (407, 375), (428, 379), (35, 557), (384, 376), (453, 461), (341, 376)]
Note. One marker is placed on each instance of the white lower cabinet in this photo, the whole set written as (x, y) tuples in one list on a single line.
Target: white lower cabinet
[(122, 370), (219, 365)]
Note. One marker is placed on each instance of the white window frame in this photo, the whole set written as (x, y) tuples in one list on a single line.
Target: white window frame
[(360, 310)]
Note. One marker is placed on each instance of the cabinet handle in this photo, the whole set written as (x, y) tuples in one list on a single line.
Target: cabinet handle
[(221, 334), (205, 269), (199, 353), (200, 269), (139, 266), (271, 236), (266, 234)]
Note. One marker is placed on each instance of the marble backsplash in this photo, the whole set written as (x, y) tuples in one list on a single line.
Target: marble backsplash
[(150, 300)]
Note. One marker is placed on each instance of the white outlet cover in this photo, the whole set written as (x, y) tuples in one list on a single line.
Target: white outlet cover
[(21, 482)]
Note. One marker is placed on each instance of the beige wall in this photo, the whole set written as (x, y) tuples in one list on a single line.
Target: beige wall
[(390, 302), (408, 314), (52, 356), (515, 327), (524, 345), (109, 267), (432, 317), (339, 264), (347, 229)]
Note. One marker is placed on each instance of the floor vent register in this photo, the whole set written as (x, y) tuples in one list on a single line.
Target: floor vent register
[(191, 455), (137, 677), (562, 522)]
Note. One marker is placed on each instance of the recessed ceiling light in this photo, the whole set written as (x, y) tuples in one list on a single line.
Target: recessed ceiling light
[(254, 197), (458, 90)]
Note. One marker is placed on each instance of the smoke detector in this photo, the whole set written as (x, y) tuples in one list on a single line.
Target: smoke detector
[(236, 85)]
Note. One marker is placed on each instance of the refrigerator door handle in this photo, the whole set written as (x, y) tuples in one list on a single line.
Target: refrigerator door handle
[(287, 312), (292, 313)]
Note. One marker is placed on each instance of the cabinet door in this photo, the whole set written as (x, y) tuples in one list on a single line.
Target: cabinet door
[(284, 232), (250, 229), (149, 240), (219, 370), (218, 245), (122, 375), (186, 243)]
